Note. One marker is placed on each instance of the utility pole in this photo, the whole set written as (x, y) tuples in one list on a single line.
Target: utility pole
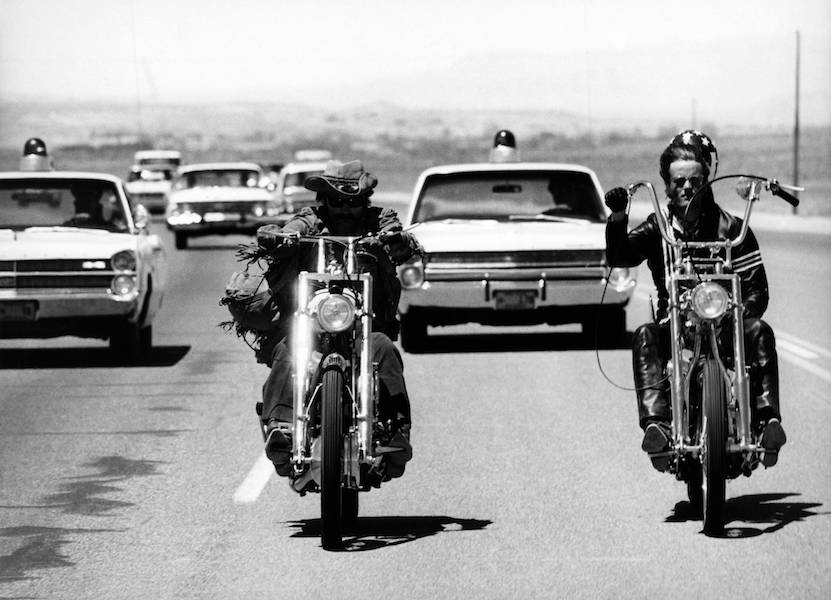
[(796, 124)]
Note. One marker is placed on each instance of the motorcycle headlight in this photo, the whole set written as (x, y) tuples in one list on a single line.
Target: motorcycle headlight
[(124, 261), (335, 313), (411, 275), (123, 285), (710, 300)]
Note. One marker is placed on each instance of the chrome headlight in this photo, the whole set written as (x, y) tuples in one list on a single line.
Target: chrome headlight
[(335, 312), (124, 261), (621, 278), (710, 300), (123, 285), (411, 275)]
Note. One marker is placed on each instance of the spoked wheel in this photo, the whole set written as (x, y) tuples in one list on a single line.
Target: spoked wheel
[(349, 506), (331, 517), (714, 448)]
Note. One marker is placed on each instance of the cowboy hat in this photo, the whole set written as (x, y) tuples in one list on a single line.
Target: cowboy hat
[(344, 180)]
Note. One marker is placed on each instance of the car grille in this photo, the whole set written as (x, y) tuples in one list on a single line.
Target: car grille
[(53, 274), (519, 259), (239, 207)]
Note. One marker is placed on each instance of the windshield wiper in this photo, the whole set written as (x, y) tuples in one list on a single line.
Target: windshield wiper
[(550, 218)]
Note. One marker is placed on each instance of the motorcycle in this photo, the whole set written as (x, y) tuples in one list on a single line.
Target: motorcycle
[(339, 441), (712, 437)]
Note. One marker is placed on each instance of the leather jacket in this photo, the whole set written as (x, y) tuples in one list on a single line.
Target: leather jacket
[(289, 260), (644, 242)]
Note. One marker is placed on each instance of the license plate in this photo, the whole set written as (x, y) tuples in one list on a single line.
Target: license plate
[(515, 299), (215, 217), (18, 310)]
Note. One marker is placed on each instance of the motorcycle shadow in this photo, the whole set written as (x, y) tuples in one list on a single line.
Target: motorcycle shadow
[(507, 342), (82, 357), (375, 533), (768, 511)]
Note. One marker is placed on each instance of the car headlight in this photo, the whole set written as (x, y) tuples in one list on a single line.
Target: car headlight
[(123, 285), (710, 300), (411, 275), (124, 261), (335, 312), (620, 278)]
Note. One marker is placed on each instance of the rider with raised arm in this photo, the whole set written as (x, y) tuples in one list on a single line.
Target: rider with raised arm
[(685, 166), (343, 191)]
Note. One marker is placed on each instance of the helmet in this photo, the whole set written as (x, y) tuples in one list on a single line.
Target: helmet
[(504, 137), (34, 146), (504, 147), (702, 142)]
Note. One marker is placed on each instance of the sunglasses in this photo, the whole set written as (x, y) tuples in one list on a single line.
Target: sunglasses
[(336, 202), (696, 181)]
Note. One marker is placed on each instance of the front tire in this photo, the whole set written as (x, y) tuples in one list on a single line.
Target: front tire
[(181, 240), (331, 516), (130, 342), (413, 332), (714, 448)]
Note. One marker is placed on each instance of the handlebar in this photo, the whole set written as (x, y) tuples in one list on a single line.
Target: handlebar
[(749, 190)]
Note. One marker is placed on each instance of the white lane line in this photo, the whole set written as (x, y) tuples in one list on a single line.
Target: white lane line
[(784, 335), (253, 484), (799, 350), (804, 364)]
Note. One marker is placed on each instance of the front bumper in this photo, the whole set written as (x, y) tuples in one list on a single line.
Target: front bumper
[(227, 224), (52, 313)]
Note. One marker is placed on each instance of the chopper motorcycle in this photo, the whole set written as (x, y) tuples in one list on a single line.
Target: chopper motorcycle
[(712, 439), (339, 441)]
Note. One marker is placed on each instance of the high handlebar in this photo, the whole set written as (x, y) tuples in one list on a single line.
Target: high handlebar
[(748, 188)]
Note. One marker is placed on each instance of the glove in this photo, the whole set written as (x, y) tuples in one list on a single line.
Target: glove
[(396, 246), (617, 199)]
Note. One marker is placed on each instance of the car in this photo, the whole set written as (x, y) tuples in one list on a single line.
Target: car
[(149, 180), (218, 199), (77, 259), (510, 243), (289, 190)]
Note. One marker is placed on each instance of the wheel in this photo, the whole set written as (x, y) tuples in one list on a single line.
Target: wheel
[(349, 506), (714, 447), (606, 328), (331, 427), (181, 240), (126, 342), (146, 340), (413, 332)]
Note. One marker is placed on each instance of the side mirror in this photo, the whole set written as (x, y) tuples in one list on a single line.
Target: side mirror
[(141, 217)]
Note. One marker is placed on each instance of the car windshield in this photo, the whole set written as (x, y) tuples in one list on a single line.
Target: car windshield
[(218, 177), (297, 179), (83, 203), (510, 195)]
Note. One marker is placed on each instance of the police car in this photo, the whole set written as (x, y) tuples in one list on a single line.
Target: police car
[(510, 243)]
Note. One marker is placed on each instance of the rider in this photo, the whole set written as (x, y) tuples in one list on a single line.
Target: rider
[(685, 166), (343, 191), (35, 157)]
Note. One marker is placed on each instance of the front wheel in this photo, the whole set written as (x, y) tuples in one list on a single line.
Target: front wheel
[(181, 240), (714, 447), (331, 515)]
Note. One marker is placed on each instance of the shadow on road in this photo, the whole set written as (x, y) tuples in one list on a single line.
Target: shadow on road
[(374, 533), (80, 357), (771, 512), (508, 342), (42, 547)]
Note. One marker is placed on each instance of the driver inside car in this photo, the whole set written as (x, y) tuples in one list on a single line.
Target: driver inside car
[(343, 192), (685, 167)]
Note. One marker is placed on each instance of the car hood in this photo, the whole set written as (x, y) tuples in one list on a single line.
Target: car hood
[(490, 236), (49, 244), (214, 194), (147, 187)]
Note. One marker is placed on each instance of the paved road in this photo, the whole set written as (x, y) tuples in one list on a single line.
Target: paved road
[(527, 480)]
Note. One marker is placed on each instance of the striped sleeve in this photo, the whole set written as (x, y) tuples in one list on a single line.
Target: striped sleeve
[(747, 261)]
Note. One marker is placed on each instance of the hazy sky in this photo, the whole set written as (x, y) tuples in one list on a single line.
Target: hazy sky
[(611, 57)]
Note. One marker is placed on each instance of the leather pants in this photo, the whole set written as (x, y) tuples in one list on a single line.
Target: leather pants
[(651, 351), (393, 399)]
